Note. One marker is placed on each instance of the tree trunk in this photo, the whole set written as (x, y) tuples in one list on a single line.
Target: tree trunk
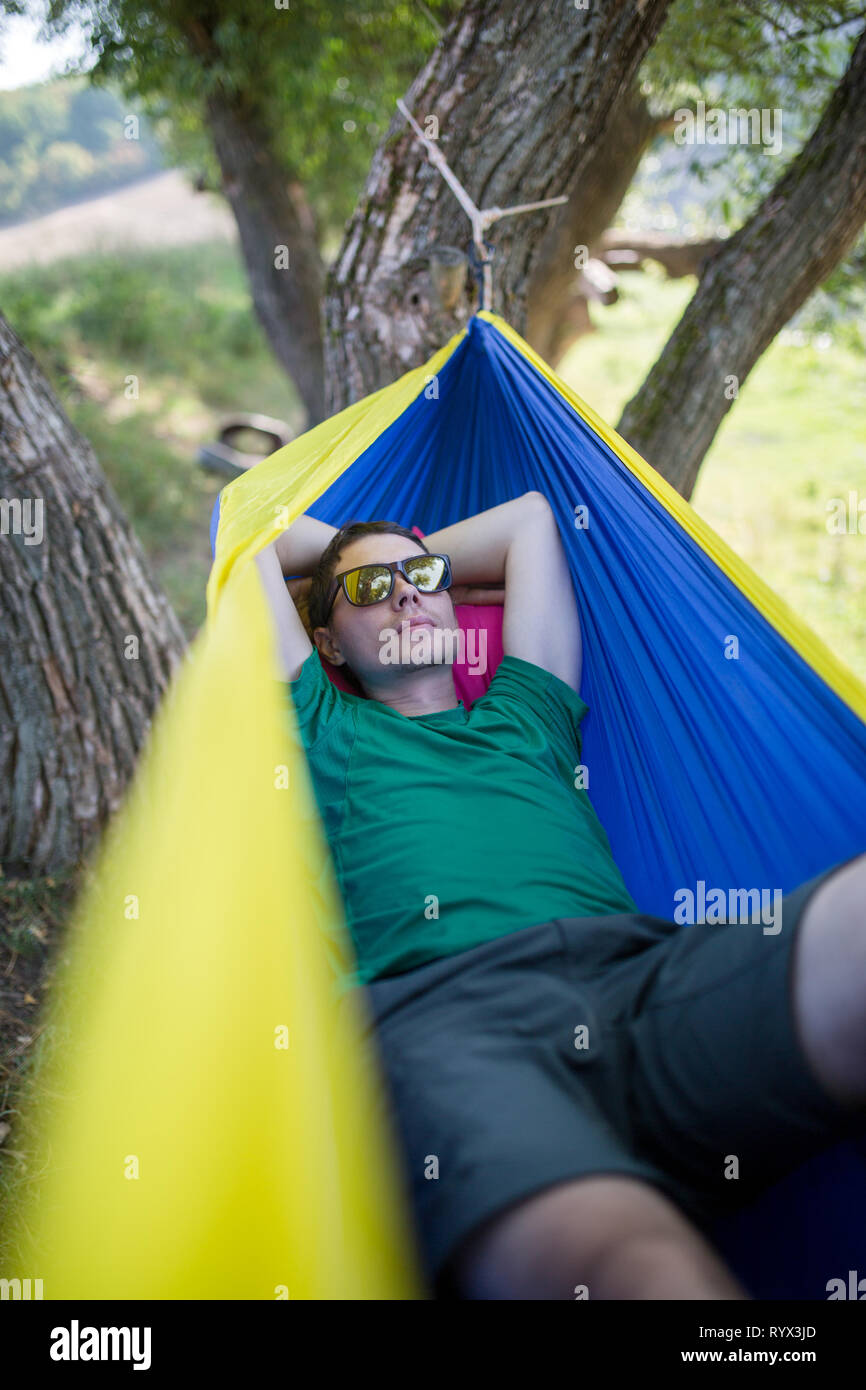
[(272, 212), (522, 91), (556, 305), (88, 643), (752, 285)]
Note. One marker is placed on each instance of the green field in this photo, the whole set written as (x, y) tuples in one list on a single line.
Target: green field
[(180, 321)]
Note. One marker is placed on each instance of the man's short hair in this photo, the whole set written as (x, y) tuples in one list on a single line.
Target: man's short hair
[(328, 562)]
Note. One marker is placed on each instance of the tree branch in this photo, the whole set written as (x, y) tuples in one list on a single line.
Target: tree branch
[(753, 284), (522, 92)]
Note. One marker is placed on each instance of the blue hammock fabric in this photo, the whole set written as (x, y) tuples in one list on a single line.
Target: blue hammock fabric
[(744, 770)]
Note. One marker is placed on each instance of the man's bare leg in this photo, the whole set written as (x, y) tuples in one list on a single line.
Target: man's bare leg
[(829, 984), (620, 1237)]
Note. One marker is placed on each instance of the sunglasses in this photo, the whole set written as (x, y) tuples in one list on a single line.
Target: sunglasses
[(372, 583)]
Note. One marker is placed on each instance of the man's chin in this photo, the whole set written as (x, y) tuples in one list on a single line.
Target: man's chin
[(423, 661)]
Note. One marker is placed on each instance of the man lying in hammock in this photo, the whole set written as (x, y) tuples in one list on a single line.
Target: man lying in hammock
[(579, 1088)]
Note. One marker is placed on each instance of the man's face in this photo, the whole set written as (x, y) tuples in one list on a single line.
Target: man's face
[(360, 635)]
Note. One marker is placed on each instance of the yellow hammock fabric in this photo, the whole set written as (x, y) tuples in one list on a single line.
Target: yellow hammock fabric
[(210, 1118)]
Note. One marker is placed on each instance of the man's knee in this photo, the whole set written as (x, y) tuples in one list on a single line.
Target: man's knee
[(604, 1234), (829, 973)]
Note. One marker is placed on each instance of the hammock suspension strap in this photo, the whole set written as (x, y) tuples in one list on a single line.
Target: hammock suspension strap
[(481, 218)]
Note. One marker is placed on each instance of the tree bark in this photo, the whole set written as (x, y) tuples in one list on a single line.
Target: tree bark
[(556, 303), (272, 211), (752, 285), (522, 92), (88, 642)]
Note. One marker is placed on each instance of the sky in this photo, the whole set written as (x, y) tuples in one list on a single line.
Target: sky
[(24, 60)]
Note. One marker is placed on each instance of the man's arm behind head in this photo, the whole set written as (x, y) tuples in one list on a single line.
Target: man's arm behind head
[(293, 641), (295, 551)]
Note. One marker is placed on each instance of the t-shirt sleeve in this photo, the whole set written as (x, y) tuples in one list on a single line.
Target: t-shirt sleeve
[(551, 699), (318, 703)]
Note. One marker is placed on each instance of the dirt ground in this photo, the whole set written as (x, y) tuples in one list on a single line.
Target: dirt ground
[(164, 210), (32, 916)]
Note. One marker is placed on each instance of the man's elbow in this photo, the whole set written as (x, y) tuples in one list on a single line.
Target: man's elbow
[(537, 502)]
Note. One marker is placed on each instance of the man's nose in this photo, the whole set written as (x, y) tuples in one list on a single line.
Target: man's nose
[(404, 591)]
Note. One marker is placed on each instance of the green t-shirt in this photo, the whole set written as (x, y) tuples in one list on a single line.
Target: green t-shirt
[(450, 829)]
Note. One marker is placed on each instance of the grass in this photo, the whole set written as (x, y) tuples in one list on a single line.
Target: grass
[(792, 441), (148, 352)]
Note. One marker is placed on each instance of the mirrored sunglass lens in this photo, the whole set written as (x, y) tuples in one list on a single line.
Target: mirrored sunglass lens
[(427, 571), (368, 584)]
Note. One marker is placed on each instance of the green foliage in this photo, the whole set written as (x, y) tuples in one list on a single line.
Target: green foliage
[(180, 322), (317, 81), (63, 141), (317, 84), (780, 56), (785, 55), (769, 48)]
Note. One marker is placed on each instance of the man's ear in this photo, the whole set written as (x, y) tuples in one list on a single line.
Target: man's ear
[(328, 648)]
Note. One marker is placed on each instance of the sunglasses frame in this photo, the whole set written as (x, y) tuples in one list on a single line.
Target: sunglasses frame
[(339, 580)]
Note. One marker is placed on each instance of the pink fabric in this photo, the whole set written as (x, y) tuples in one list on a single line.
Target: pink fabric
[(469, 685)]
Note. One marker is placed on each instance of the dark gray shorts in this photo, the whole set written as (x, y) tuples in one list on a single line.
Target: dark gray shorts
[(620, 1044)]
